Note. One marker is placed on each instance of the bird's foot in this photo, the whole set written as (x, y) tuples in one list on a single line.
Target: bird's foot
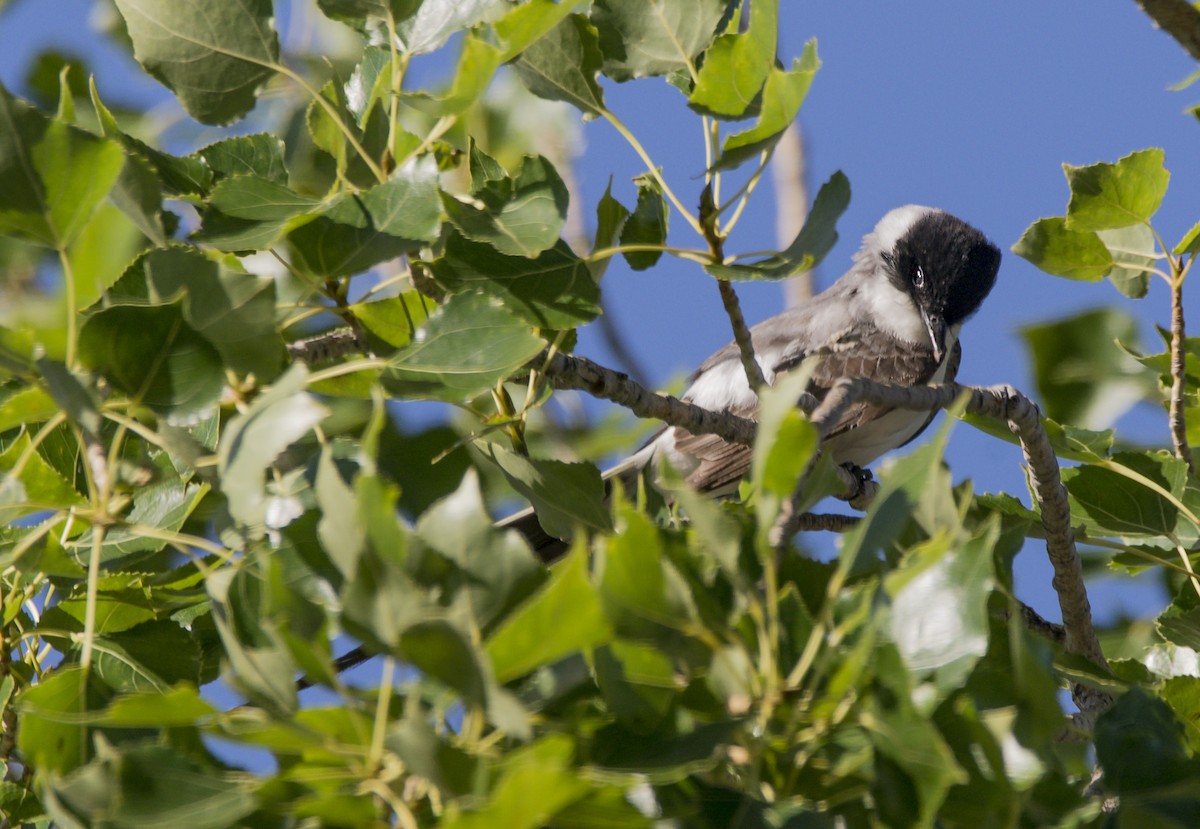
[(863, 487)]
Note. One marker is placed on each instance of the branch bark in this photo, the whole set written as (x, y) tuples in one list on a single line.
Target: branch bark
[(1178, 415)]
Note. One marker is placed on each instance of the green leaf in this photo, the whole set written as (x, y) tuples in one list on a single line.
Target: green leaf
[(566, 496), (255, 438), (521, 216), (737, 65), (641, 38), (1190, 243), (163, 505), (359, 11), (528, 22), (1106, 196), (38, 487), (939, 616), (562, 65), (647, 225), (149, 786), (52, 176), (610, 218), (247, 212), (258, 155), (554, 290), (394, 320), (51, 734), (468, 345), (233, 311), (784, 444), (425, 752), (148, 657), (138, 194), (1082, 377), (214, 56), (359, 230), (638, 682), (1140, 744), (1116, 503), (154, 356), (782, 96), (811, 244), (176, 707), (178, 176), (1134, 254), (565, 617), (497, 569), (428, 27), (1061, 250)]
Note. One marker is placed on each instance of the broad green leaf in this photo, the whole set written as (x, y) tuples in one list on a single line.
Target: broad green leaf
[(37, 487), (1134, 254), (179, 706), (521, 216), (435, 21), (477, 64), (611, 216), (811, 244), (394, 320), (52, 176), (1182, 693), (497, 570), (155, 357), (333, 112), (260, 665), (526, 23), (440, 650), (783, 446), (254, 439), (563, 618), (1110, 502), (248, 212), (359, 11), (562, 65), (939, 618), (782, 95), (28, 405), (178, 176), (359, 230), (214, 56), (554, 290), (640, 38), (72, 396), (647, 225), (1181, 626), (1082, 377), (233, 311), (152, 656), (153, 786), (1061, 250), (566, 496), (638, 682), (667, 754), (468, 345), (1141, 746), (260, 154), (1190, 243), (138, 194), (737, 65), (161, 506), (431, 755), (1106, 196), (51, 734)]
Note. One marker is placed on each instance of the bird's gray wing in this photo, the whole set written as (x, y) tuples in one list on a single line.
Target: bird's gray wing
[(875, 356)]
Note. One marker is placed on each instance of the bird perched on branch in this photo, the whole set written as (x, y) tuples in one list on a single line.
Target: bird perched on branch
[(894, 317)]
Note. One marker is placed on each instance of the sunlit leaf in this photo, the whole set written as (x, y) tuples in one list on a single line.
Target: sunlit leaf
[(1105, 196), (640, 38), (562, 65), (737, 65), (1059, 249)]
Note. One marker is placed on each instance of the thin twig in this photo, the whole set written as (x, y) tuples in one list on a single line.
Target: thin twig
[(327, 347), (1178, 414), (1178, 18)]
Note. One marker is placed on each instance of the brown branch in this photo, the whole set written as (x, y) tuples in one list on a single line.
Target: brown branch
[(1178, 414), (1006, 404), (1179, 19), (830, 522), (327, 347), (569, 372)]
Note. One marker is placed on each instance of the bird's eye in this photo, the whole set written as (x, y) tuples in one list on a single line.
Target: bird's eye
[(919, 277)]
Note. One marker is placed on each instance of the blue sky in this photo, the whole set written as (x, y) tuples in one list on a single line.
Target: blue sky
[(970, 107)]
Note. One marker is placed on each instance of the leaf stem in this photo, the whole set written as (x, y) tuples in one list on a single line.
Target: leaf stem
[(652, 169)]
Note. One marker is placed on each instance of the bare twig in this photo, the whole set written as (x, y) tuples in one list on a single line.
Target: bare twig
[(1178, 18), (327, 347), (1178, 375), (729, 298), (830, 522), (569, 372), (1040, 626)]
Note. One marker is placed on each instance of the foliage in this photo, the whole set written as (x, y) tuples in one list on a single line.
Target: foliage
[(187, 500)]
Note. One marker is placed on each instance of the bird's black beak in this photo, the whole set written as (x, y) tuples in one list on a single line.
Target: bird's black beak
[(935, 324)]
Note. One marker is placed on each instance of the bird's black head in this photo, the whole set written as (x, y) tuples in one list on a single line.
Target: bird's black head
[(947, 267)]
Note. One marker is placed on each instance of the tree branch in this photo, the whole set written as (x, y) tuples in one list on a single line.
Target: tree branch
[(327, 347), (1179, 19), (1178, 414), (1006, 404)]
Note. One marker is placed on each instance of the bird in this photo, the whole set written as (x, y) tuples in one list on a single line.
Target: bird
[(894, 317)]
